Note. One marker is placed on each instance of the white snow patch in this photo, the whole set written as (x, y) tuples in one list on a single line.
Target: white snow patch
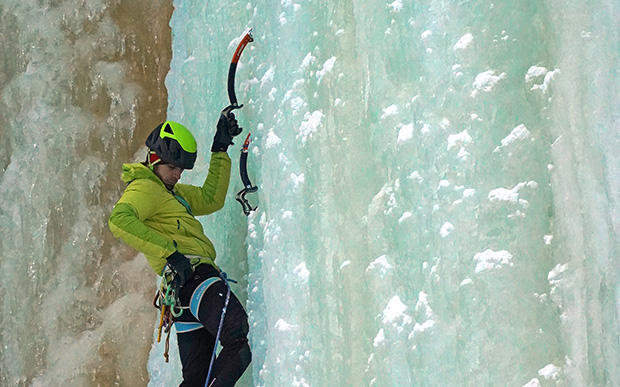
[(555, 275), (504, 195), (490, 259), (283, 159), (415, 175), (379, 339), (469, 192), (299, 84), (510, 195), (518, 133), (464, 42), (405, 133), (307, 61), (466, 281), (310, 124), (425, 35), (327, 67), (446, 229), (423, 304), (298, 104), (297, 180), (272, 139), (396, 6), (267, 77), (549, 77), (486, 81), (426, 325), (459, 139), (549, 372), (532, 383), (548, 239), (272, 94), (302, 272), (283, 326), (395, 312), (406, 215), (389, 111), (443, 183), (463, 155), (444, 123), (535, 72), (380, 265)]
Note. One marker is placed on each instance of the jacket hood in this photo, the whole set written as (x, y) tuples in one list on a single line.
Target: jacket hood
[(136, 171)]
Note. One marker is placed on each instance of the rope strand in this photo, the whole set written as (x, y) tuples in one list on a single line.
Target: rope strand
[(219, 329)]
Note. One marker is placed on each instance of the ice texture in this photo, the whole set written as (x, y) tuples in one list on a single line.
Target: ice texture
[(439, 191), (80, 85)]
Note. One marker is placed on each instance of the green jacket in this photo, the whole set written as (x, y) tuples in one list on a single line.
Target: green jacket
[(152, 220)]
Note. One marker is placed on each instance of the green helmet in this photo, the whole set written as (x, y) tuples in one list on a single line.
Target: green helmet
[(174, 144)]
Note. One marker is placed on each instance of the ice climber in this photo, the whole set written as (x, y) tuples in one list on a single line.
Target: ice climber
[(156, 216)]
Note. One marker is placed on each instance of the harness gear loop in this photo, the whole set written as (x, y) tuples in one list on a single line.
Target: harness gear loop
[(167, 301)]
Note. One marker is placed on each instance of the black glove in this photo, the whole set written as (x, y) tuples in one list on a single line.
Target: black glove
[(227, 128), (182, 269)]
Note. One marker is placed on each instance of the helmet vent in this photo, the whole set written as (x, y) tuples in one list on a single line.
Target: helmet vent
[(168, 129)]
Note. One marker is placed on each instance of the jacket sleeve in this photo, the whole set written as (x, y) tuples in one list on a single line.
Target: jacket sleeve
[(127, 224), (212, 195)]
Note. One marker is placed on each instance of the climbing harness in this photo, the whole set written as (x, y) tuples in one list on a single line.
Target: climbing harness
[(246, 38), (168, 302)]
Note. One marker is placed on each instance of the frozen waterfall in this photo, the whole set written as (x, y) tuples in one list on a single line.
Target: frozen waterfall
[(439, 187)]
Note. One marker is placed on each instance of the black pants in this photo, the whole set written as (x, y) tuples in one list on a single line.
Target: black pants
[(197, 328)]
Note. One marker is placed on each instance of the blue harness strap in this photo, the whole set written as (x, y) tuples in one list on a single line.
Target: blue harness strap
[(184, 327), (199, 292), (194, 307)]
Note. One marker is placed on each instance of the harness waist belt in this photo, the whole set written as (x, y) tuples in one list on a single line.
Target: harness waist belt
[(196, 260)]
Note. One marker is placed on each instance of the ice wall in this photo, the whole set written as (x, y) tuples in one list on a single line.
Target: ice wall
[(81, 83), (438, 187)]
